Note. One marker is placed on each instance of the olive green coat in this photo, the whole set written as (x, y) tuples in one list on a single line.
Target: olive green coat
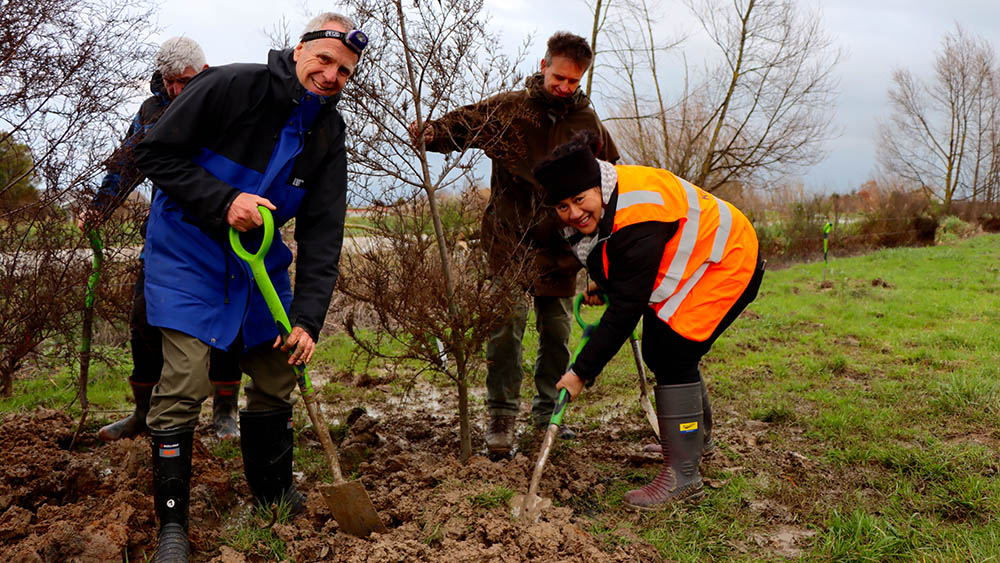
[(517, 130)]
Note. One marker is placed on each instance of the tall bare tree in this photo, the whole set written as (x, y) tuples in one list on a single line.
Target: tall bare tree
[(68, 70), (422, 285), (600, 9), (634, 50), (943, 135), (763, 111)]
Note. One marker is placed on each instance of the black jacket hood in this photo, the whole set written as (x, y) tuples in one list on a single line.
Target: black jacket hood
[(158, 89)]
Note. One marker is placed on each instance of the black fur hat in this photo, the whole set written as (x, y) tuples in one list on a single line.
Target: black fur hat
[(571, 168)]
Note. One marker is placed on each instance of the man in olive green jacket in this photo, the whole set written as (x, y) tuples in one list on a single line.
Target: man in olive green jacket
[(517, 130)]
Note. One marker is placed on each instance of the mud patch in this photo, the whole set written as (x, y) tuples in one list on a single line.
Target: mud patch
[(95, 504)]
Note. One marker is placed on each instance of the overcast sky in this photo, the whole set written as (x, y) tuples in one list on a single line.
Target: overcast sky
[(875, 37)]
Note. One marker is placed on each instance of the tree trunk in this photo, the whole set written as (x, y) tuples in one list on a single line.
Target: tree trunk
[(465, 430), (593, 44), (428, 186), (6, 383)]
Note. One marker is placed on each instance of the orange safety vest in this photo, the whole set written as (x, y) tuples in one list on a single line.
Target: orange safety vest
[(706, 265)]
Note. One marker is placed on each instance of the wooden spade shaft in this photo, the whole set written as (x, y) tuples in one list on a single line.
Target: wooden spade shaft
[(543, 456), (348, 501), (647, 406)]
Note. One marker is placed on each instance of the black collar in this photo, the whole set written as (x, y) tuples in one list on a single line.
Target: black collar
[(607, 221)]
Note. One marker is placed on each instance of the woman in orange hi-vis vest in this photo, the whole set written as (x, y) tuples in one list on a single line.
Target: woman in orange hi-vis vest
[(665, 251)]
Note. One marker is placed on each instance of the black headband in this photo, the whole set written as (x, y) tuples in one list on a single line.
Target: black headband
[(356, 40)]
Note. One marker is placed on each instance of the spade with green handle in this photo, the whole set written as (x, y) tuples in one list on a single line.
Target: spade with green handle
[(348, 501), (530, 506)]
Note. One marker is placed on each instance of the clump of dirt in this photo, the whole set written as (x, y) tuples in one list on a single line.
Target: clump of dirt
[(95, 503)]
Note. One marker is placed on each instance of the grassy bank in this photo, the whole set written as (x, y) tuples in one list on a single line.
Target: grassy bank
[(857, 419)]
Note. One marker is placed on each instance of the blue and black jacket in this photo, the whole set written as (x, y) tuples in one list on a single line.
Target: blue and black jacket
[(243, 128)]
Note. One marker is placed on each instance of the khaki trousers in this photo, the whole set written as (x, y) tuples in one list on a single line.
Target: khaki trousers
[(184, 384)]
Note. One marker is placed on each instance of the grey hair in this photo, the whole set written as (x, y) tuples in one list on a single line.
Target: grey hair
[(319, 21), (178, 53)]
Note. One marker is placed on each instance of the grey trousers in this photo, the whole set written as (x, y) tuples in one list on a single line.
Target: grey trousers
[(553, 317), (184, 384)]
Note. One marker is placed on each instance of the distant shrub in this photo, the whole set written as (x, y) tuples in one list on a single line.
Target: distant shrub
[(990, 223), (954, 228), (901, 218)]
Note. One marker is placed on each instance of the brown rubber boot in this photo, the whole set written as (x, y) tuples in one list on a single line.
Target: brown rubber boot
[(500, 434), (135, 423), (708, 446), (679, 413), (224, 409)]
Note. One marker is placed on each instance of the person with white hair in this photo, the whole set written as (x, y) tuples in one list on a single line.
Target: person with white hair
[(243, 136), (178, 60)]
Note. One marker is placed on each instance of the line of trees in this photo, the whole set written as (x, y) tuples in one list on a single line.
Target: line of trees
[(943, 134), (763, 110)]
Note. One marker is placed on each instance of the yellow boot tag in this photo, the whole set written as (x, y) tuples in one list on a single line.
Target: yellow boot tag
[(687, 427)]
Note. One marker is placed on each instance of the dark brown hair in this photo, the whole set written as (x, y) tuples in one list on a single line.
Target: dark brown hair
[(573, 47)]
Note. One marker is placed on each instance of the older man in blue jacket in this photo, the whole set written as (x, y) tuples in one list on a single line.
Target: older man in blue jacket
[(241, 136)]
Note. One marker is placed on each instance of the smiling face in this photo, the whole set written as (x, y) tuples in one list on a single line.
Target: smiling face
[(582, 211), (562, 76), (324, 66)]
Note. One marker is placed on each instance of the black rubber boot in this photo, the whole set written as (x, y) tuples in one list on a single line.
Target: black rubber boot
[(267, 441), (224, 409), (171, 492), (679, 414), (135, 423), (708, 444)]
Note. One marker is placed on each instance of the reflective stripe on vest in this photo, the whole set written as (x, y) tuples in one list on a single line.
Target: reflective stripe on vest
[(689, 236), (718, 247), (673, 287)]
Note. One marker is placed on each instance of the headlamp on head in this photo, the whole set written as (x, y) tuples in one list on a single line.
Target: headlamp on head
[(356, 40)]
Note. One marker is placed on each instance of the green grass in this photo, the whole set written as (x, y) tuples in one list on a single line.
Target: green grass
[(227, 449), (499, 495), (108, 386), (889, 392), (892, 390), (251, 534)]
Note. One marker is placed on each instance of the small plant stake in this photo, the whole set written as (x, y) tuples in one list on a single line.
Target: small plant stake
[(826, 231), (88, 328)]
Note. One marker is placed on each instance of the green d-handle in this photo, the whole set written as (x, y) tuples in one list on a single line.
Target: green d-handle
[(256, 263), (560, 408)]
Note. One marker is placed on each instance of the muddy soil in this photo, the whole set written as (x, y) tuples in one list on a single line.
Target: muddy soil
[(95, 504)]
